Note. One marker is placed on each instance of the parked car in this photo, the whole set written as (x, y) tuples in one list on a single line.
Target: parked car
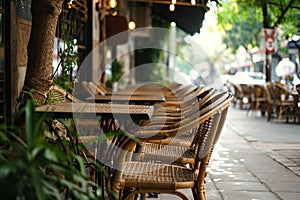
[(248, 78)]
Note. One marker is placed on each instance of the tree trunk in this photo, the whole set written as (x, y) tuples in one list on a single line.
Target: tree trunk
[(266, 23), (38, 77)]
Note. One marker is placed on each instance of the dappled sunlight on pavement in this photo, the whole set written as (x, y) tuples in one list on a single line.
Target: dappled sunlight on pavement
[(254, 159)]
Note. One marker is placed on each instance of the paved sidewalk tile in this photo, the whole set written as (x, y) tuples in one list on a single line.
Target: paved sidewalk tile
[(253, 160)]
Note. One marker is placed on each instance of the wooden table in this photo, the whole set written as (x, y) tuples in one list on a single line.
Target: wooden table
[(123, 99), (111, 116), (135, 93), (67, 110)]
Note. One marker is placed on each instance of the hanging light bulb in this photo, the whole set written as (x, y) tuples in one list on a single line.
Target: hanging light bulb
[(113, 3), (70, 4), (172, 7), (173, 1), (193, 2), (131, 25)]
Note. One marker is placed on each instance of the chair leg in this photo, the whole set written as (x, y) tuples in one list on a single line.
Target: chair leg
[(143, 197), (269, 112), (279, 116), (194, 191), (241, 103), (175, 192), (199, 187), (200, 192)]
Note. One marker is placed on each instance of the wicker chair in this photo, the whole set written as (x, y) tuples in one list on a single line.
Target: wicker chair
[(97, 89), (142, 177), (237, 94), (177, 108), (177, 91), (172, 113), (89, 130), (87, 89), (282, 106), (259, 99), (246, 95), (59, 94), (180, 149)]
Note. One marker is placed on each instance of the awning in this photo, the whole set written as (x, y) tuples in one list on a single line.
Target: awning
[(188, 18)]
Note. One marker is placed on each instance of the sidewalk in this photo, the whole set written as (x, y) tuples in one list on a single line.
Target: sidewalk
[(254, 160)]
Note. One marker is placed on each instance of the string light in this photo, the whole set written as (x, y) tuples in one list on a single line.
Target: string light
[(172, 7), (173, 1), (113, 3), (131, 25), (193, 2), (70, 4)]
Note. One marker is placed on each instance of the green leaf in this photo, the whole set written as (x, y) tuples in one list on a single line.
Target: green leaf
[(29, 122)]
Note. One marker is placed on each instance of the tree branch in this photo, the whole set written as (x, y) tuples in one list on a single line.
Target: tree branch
[(280, 4), (283, 13)]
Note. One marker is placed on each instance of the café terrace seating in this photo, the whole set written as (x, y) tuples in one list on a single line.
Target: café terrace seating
[(58, 94), (259, 99), (169, 91), (246, 95), (273, 98), (144, 176), (173, 147), (283, 106), (237, 91), (179, 149)]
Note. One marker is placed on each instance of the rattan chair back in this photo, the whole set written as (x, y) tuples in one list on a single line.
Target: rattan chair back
[(280, 100), (143, 177)]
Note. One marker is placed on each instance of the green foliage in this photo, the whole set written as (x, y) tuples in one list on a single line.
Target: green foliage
[(150, 59), (68, 64), (242, 21), (30, 93), (68, 49), (116, 73), (52, 99), (40, 167), (240, 25), (116, 69)]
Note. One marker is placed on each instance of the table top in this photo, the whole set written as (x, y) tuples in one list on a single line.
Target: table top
[(133, 90), (66, 110), (136, 99), (136, 93)]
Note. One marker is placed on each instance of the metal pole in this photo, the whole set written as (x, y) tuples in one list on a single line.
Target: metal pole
[(172, 48)]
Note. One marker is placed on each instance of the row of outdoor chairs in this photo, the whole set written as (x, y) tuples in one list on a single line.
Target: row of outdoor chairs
[(273, 98), (175, 146), (170, 151)]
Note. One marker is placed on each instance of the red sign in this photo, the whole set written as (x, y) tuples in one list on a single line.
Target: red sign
[(269, 36)]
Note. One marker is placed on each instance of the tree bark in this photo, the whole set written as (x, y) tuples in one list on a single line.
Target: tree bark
[(40, 49)]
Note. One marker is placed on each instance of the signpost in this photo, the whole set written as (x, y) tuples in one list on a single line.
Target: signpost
[(270, 48), (269, 36)]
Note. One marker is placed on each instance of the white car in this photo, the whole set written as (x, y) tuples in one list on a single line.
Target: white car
[(248, 78)]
